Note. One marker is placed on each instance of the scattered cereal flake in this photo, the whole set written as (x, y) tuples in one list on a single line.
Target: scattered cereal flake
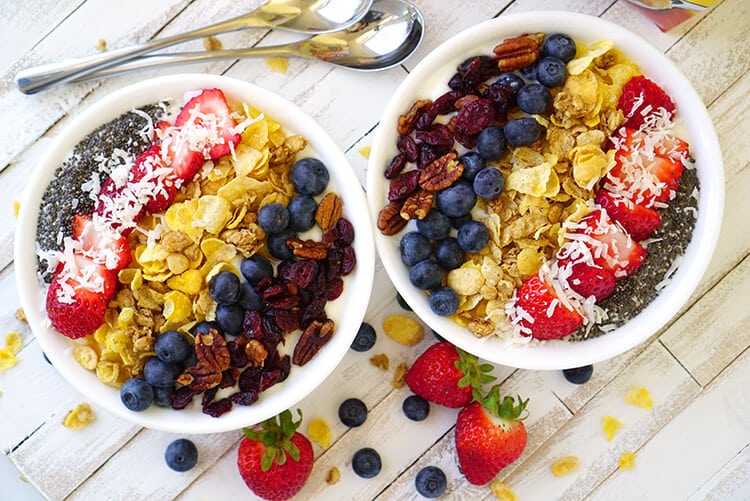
[(319, 431), (564, 466), (101, 45), (277, 64), (16, 207), (79, 417), (579, 64), (502, 492), (212, 43), (403, 329), (7, 359), (639, 397), (21, 316), (399, 376), (610, 426), (334, 475), (627, 461), (365, 151), (380, 361), (13, 341)]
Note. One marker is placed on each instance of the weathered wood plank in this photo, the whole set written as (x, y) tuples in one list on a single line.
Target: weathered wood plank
[(730, 483), (692, 448)]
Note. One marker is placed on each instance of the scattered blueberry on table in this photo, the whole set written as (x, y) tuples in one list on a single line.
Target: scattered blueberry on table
[(353, 412), (365, 338), (431, 482), (181, 455), (416, 408), (366, 462), (579, 375)]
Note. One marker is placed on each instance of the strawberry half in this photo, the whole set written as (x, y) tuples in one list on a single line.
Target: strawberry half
[(489, 436), (612, 247), (639, 221), (78, 296), (445, 375), (544, 315), (642, 98), (275, 461), (154, 180), (209, 118), (104, 247), (589, 279)]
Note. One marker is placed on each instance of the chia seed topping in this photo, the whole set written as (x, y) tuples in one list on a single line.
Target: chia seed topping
[(68, 193)]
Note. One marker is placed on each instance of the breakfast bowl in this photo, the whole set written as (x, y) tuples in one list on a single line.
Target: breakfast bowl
[(488, 300), (225, 374)]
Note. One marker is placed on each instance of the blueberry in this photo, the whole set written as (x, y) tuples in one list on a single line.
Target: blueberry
[(224, 287), (579, 375), (489, 183), (46, 359), (160, 373), (273, 218), (457, 222), (249, 299), (230, 318), (163, 395), (415, 247), (522, 131), (365, 338), (172, 347), (426, 275), (472, 163), (191, 360), (203, 328), (456, 200), (559, 45), (491, 143), (255, 269), (416, 408), (277, 246), (434, 225), (431, 482), (533, 99), (449, 254), (511, 80), (402, 302), (528, 72), (473, 236), (181, 455), (443, 301), (302, 213), (366, 462), (136, 394), (551, 71), (352, 412), (310, 176)]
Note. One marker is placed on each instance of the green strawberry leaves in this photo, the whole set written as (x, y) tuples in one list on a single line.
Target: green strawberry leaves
[(505, 408), (276, 434)]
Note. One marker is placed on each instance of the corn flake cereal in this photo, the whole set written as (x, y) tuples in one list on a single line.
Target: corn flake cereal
[(7, 359), (564, 466), (610, 427), (502, 492), (639, 397), (13, 341), (319, 431), (627, 461), (79, 417), (402, 329)]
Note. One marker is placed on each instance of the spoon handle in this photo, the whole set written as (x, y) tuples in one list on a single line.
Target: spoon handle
[(160, 60), (36, 79)]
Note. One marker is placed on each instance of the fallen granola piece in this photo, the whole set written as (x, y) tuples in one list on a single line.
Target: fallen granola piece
[(564, 466), (79, 417), (639, 397), (399, 376), (610, 426), (627, 461), (502, 492), (380, 361), (334, 475)]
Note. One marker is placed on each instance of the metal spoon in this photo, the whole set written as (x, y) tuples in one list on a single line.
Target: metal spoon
[(302, 16), (389, 33), (669, 4)]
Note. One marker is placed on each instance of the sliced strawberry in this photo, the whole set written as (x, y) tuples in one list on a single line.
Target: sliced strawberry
[(112, 205), (154, 180), (550, 318), (642, 98), (104, 247), (185, 162), (589, 279), (78, 296), (612, 247), (210, 111), (639, 221)]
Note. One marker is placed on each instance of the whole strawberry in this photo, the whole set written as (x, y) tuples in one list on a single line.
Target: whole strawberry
[(448, 376), (275, 461), (489, 436)]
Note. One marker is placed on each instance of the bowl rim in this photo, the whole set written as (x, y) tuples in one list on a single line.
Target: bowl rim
[(357, 285), (554, 355)]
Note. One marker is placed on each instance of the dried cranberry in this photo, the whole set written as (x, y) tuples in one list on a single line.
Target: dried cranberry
[(182, 397), (318, 287), (439, 137), (457, 83), (249, 379), (334, 261), (287, 320), (424, 121), (349, 261), (244, 397), (502, 95), (229, 378), (282, 271), (426, 155), (252, 325), (315, 311), (303, 272), (209, 395), (237, 356), (280, 296), (218, 408), (271, 333), (475, 116), (395, 167), (408, 148), (476, 70), (447, 102), (334, 289), (466, 140), (403, 185), (345, 232)]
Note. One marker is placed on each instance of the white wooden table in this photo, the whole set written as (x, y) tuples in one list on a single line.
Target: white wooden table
[(693, 444)]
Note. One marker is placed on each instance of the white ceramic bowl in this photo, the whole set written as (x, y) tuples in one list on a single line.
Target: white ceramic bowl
[(301, 380), (429, 80)]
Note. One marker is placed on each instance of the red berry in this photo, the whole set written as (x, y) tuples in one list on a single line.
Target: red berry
[(642, 98), (550, 318), (640, 222)]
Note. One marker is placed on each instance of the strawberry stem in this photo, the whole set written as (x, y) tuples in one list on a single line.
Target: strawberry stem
[(476, 375), (506, 407), (276, 434)]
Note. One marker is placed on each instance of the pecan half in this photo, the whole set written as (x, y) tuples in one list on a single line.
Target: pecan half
[(518, 52), (406, 122), (213, 360), (328, 212), (256, 353), (441, 172), (308, 249), (312, 339), (417, 205), (390, 221)]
